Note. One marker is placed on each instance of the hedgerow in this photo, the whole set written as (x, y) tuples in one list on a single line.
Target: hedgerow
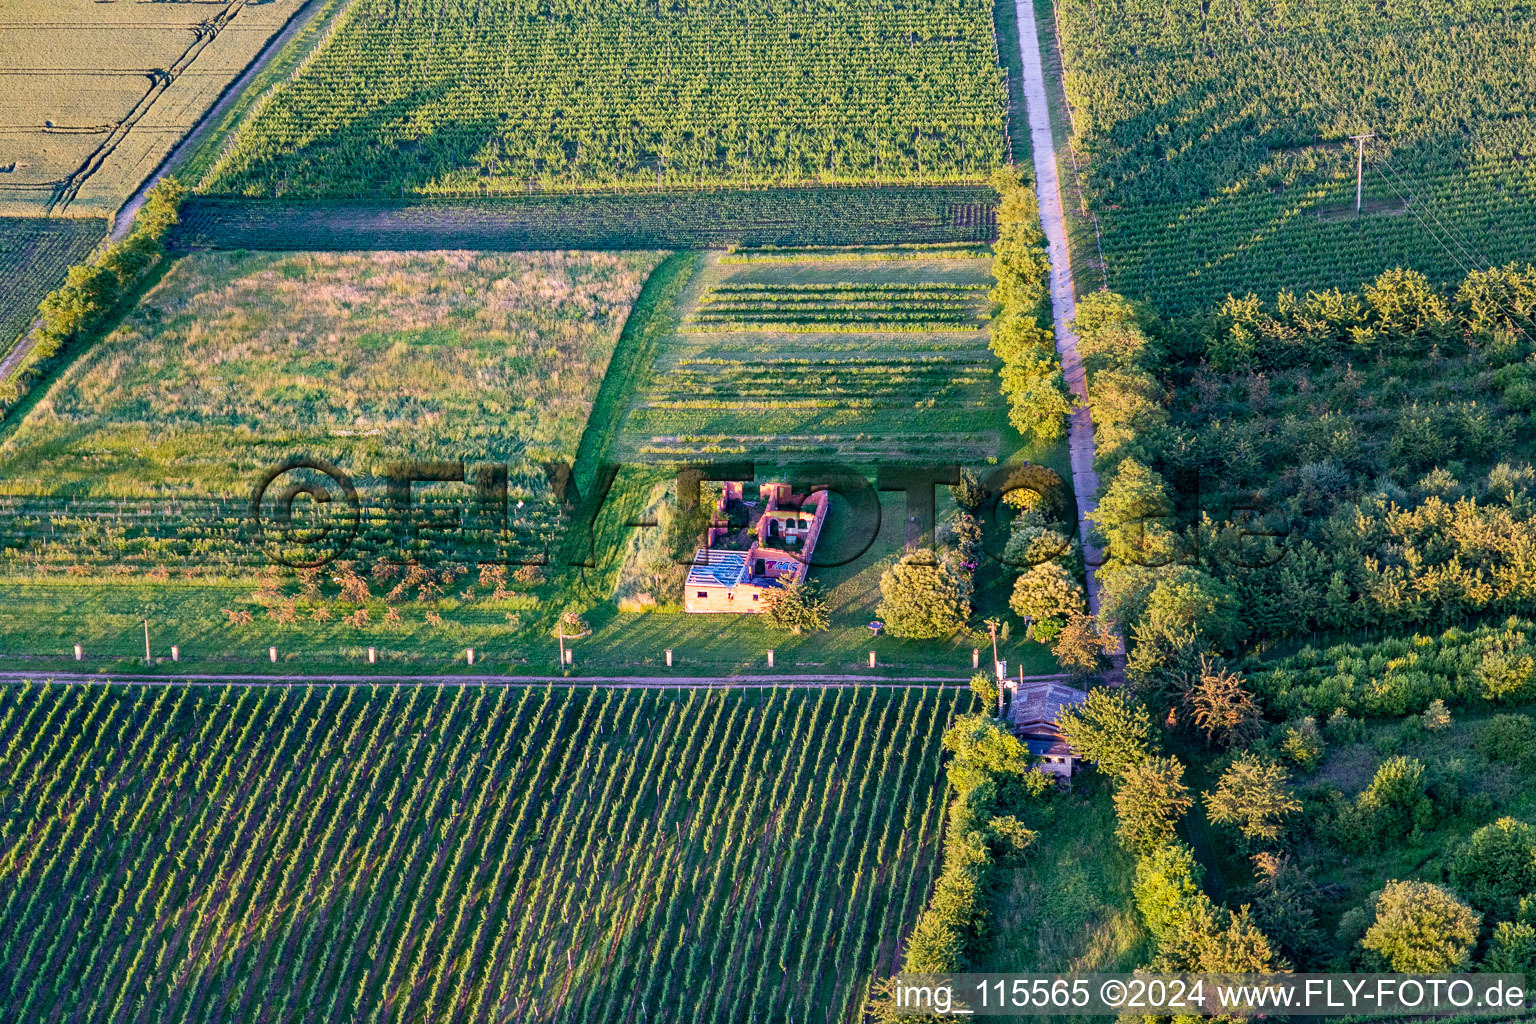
[(1032, 384)]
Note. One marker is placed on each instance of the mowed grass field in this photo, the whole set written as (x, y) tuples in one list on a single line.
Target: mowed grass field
[(462, 854), (804, 356), (142, 455), (97, 94), (739, 643), (236, 361), (1214, 140), (501, 96)]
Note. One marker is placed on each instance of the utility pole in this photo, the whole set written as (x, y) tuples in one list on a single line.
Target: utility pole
[(997, 666), (1360, 167), (147, 658)]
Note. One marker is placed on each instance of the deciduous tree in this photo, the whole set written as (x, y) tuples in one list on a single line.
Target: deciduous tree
[(1496, 867), (1112, 729), (1221, 706), (796, 608), (923, 597), (1421, 928)]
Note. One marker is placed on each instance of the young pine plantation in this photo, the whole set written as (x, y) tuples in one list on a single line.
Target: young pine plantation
[(1315, 512)]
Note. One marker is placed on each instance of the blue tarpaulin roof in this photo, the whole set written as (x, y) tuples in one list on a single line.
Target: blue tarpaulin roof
[(717, 568)]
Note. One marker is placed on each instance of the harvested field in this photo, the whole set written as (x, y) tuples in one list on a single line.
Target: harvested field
[(96, 94)]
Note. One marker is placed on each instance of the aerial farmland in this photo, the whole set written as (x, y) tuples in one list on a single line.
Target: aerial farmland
[(580, 510)]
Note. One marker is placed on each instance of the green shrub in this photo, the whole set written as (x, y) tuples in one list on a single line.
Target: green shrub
[(985, 751), (1344, 729), (1508, 738), (923, 597), (1283, 907), (1254, 796), (1421, 928), (984, 686), (1167, 881), (1496, 866), (968, 491), (1032, 384), (91, 291), (1047, 592), (1149, 802), (1512, 950), (1392, 806), (796, 608), (991, 771), (1507, 675), (1303, 744), (1437, 716)]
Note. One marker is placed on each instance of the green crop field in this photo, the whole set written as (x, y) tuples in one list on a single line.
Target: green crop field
[(463, 854), (797, 354), (469, 96), (1215, 139), (35, 253)]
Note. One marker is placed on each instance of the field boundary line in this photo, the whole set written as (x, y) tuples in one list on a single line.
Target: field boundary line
[(604, 682)]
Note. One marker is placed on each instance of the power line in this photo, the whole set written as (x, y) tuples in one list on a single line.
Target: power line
[(1331, 101)]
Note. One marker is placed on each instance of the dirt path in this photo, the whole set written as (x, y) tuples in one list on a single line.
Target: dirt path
[(1080, 444), (18, 352), (123, 219), (1085, 482), (614, 682)]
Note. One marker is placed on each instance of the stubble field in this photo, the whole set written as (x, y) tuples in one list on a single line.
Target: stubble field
[(97, 94)]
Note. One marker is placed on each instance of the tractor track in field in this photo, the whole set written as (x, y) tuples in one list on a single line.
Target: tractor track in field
[(123, 220)]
